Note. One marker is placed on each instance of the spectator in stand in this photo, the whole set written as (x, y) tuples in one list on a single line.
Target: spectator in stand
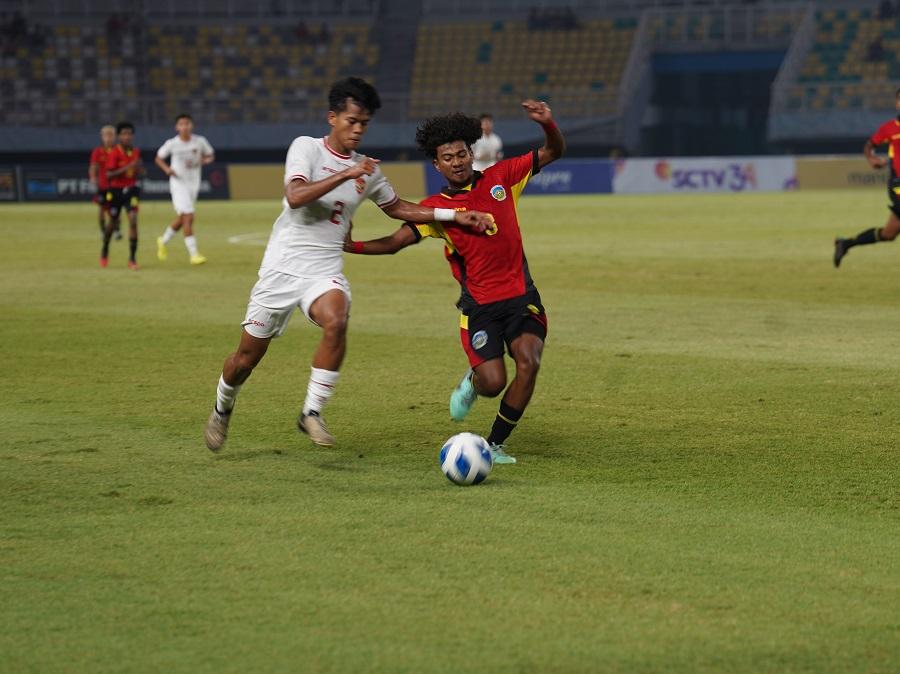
[(886, 10)]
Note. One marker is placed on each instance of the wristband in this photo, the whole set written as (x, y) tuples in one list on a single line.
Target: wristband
[(356, 246), (444, 214), (549, 126)]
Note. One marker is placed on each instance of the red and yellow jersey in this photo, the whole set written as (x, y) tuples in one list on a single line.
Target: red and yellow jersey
[(100, 156), (118, 157), (889, 132), (489, 267)]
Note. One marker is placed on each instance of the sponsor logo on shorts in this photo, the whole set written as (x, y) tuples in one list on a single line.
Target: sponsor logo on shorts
[(498, 192), (479, 339), (253, 321)]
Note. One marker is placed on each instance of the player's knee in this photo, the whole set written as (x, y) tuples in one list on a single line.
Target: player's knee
[(887, 234), (335, 325), (528, 362), (245, 360), (490, 385)]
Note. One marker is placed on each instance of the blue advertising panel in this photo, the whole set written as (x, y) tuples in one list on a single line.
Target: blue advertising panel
[(566, 176), (70, 183)]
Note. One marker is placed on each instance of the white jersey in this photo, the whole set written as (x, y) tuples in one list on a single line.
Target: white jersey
[(487, 151), (309, 241), (187, 156)]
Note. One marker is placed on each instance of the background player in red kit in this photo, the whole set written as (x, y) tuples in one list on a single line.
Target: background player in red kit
[(97, 173), (123, 167), (499, 302), (889, 133)]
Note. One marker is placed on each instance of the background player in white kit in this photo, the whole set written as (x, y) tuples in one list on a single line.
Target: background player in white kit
[(488, 149), (189, 153), (325, 181)]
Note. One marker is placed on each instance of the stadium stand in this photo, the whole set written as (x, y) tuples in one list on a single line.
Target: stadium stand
[(268, 73), (578, 70), (850, 63), (265, 72)]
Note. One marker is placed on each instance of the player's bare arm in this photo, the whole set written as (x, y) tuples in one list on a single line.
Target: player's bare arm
[(130, 165), (386, 245), (554, 143), (410, 212), (299, 192), (207, 159), (164, 167), (874, 160), (93, 172)]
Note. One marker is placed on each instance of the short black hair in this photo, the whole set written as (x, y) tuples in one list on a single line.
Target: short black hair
[(486, 115), (897, 94), (357, 89), (447, 129), (183, 115), (124, 125)]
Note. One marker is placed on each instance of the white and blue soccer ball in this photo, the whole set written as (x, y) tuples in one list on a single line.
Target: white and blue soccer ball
[(466, 459)]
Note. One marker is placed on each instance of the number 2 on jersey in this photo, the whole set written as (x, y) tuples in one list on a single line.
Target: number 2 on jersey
[(335, 218)]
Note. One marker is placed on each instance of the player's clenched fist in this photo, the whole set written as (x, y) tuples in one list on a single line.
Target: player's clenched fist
[(480, 222)]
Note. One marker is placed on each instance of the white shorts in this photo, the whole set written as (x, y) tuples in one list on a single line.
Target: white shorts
[(276, 295), (184, 196)]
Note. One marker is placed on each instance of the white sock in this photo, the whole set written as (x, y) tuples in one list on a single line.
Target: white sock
[(191, 244), (225, 395), (321, 386), (167, 235)]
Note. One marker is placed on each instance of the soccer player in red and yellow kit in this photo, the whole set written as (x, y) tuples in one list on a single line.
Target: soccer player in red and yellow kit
[(499, 303), (888, 133), (123, 167), (97, 171)]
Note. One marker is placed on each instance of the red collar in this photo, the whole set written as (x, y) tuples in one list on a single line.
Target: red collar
[(333, 151)]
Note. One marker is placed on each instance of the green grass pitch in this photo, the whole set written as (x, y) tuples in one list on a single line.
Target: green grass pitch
[(707, 477)]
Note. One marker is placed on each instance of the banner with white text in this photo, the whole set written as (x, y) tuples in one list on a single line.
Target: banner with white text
[(704, 174)]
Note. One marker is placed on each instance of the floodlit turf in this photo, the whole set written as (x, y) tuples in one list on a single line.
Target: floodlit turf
[(707, 477)]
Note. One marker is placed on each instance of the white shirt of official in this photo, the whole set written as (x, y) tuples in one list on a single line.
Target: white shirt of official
[(309, 241), (487, 151)]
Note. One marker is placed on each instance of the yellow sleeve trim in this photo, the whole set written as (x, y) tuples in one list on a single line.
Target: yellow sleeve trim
[(464, 321), (519, 186)]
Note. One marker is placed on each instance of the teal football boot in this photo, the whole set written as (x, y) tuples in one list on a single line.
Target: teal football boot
[(463, 397)]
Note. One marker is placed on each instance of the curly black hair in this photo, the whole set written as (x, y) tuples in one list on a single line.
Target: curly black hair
[(440, 130), (357, 89), (124, 125)]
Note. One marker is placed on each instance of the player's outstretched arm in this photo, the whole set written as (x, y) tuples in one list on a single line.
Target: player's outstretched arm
[(386, 245), (410, 212), (874, 160), (554, 143)]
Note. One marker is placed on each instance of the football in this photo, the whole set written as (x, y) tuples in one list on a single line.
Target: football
[(466, 459)]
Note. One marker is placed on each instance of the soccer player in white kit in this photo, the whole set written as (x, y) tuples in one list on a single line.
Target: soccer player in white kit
[(488, 149), (325, 181), (189, 152)]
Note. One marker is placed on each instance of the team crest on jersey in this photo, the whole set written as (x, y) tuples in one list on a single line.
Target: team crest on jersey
[(479, 339), (360, 185), (498, 192)]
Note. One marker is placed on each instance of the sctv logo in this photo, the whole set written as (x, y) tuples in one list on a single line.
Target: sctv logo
[(733, 176)]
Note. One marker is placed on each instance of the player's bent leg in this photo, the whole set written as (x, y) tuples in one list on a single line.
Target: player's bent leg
[(873, 235), (486, 379), (190, 241), (237, 368), (132, 240), (331, 312), (526, 350)]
